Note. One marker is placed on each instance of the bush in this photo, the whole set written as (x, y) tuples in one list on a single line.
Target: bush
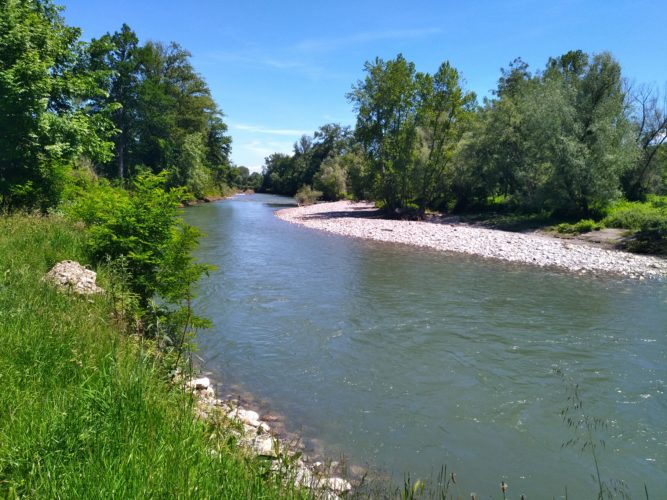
[(647, 219), (583, 226), (141, 233), (635, 215), (306, 195)]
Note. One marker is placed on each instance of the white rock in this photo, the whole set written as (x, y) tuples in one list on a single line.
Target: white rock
[(245, 416), (207, 394), (335, 484), (304, 477), (72, 276), (199, 384), (264, 446)]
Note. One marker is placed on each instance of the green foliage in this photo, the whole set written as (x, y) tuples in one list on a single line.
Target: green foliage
[(87, 412), (410, 125), (165, 116), (44, 119), (583, 226), (385, 102), (558, 139), (635, 215), (142, 226), (331, 178), (285, 174), (306, 195), (647, 219)]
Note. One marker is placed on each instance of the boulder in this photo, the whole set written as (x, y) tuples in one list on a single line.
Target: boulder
[(248, 417), (199, 384), (264, 446), (71, 276), (335, 484)]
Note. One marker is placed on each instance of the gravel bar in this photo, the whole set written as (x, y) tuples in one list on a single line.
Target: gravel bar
[(360, 220)]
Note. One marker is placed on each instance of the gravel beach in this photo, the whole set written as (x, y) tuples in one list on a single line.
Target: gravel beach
[(360, 220)]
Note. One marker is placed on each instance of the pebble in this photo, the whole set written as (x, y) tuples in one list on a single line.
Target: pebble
[(532, 249), (255, 436)]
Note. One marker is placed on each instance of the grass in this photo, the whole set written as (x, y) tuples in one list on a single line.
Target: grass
[(86, 411), (645, 222)]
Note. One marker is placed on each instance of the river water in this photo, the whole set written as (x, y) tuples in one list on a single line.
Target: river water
[(406, 360)]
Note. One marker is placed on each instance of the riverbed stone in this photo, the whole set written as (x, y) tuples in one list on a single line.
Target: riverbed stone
[(245, 416), (199, 384), (70, 276), (264, 446), (525, 248), (335, 484)]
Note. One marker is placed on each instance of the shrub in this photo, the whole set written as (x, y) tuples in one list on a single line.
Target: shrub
[(583, 226), (635, 215), (142, 229), (306, 195), (647, 219)]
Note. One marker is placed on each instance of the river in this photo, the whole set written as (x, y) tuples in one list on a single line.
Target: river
[(405, 360)]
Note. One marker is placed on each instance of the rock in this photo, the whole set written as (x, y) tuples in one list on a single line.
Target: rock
[(71, 276), (264, 446), (304, 477), (245, 416), (199, 384), (208, 394), (335, 484)]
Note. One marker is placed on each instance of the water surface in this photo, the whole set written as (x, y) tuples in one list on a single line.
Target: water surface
[(406, 360)]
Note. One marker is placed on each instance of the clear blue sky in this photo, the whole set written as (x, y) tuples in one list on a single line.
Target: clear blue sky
[(281, 69)]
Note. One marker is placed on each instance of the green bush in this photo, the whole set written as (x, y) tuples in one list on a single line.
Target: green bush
[(583, 226), (306, 195), (141, 226), (648, 219), (635, 215)]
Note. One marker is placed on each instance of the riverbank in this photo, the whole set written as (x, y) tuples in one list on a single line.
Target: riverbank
[(86, 409), (363, 220)]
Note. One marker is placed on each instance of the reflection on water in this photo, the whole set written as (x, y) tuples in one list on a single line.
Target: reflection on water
[(408, 359)]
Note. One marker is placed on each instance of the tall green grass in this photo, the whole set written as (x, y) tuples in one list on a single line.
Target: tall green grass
[(86, 411)]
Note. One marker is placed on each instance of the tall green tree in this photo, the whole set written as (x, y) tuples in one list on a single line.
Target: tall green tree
[(443, 109), (649, 118), (559, 139), (44, 95), (385, 102), (118, 54)]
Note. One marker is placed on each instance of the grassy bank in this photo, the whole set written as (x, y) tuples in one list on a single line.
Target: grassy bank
[(86, 411)]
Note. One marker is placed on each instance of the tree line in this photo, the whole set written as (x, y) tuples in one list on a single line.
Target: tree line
[(113, 107), (570, 139)]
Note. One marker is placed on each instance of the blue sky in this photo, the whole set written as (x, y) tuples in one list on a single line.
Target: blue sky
[(281, 69)]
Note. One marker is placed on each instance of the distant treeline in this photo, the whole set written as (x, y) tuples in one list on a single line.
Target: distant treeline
[(570, 139), (114, 107)]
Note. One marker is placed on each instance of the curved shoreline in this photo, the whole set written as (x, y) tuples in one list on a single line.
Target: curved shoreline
[(359, 220)]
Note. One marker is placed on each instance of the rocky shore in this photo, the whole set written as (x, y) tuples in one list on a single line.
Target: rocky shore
[(361, 220), (255, 436)]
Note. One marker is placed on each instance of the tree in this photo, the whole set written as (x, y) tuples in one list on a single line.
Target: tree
[(442, 109), (331, 178), (558, 140), (649, 118), (602, 132), (385, 103), (117, 53), (44, 96)]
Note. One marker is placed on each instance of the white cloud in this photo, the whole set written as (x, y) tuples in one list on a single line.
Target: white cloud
[(270, 131)]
